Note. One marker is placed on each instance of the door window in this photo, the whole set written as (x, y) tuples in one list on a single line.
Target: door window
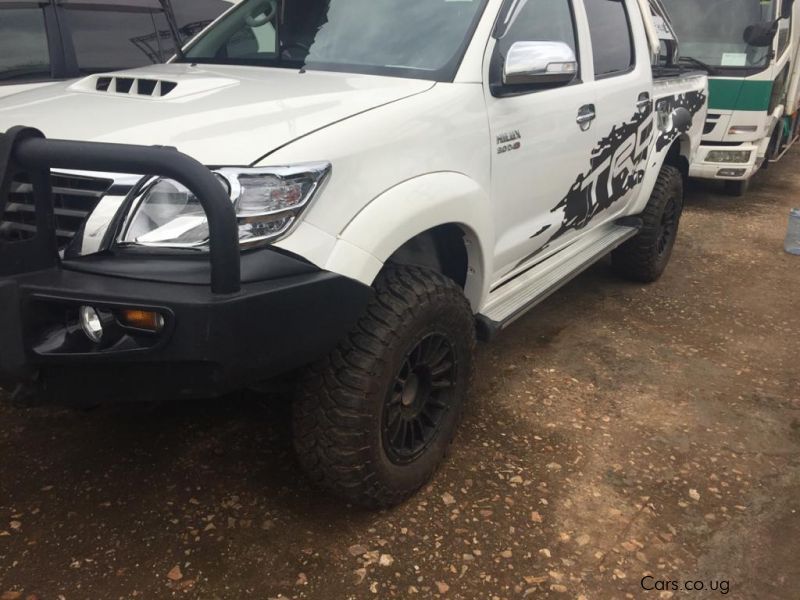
[(784, 36), (612, 41), (24, 53), (538, 21)]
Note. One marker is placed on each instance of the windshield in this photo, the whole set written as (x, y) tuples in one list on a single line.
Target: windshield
[(712, 31), (24, 54), (109, 40), (420, 38)]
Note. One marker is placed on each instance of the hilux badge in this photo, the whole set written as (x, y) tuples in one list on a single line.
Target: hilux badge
[(508, 141)]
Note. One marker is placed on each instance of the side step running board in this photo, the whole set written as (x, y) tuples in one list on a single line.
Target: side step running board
[(513, 300)]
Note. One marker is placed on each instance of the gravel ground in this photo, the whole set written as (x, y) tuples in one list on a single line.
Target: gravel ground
[(616, 433)]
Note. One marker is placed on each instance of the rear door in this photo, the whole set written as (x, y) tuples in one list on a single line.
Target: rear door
[(622, 89)]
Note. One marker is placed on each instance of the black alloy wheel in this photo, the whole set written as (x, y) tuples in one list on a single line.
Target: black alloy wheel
[(669, 227), (421, 396), (645, 256), (374, 419)]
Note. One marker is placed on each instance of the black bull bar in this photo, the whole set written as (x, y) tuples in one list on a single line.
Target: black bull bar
[(25, 150)]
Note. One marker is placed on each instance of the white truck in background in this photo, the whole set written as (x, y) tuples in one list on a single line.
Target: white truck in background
[(353, 188), (751, 52)]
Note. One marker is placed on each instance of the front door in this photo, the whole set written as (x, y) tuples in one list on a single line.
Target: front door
[(539, 148), (563, 157)]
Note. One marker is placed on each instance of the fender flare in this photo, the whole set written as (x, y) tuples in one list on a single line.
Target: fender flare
[(657, 162), (413, 207)]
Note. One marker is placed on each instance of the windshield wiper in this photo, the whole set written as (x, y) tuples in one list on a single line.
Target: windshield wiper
[(698, 63), (172, 23)]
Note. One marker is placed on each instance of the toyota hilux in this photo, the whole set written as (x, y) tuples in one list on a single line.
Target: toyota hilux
[(352, 190)]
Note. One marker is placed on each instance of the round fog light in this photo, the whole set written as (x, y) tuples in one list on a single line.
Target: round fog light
[(91, 324)]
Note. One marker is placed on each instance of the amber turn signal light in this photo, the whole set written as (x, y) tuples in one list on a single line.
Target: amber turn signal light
[(146, 320)]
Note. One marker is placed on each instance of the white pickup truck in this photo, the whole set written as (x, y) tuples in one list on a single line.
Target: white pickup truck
[(353, 189)]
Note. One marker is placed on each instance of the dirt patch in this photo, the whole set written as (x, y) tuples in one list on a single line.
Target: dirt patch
[(617, 433)]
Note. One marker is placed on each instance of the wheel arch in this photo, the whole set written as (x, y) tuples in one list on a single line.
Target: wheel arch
[(442, 221), (677, 155)]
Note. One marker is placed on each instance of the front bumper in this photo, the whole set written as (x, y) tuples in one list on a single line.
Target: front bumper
[(702, 168), (209, 345), (228, 319)]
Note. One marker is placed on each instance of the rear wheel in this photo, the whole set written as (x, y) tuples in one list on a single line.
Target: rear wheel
[(374, 419), (645, 256)]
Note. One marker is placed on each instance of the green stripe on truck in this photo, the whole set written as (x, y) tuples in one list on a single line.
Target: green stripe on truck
[(739, 94)]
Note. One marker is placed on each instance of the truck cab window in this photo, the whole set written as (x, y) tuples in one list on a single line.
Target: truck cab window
[(109, 40), (712, 31), (24, 54), (539, 21), (612, 41)]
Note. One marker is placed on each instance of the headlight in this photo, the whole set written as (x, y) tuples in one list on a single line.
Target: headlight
[(268, 202), (728, 156)]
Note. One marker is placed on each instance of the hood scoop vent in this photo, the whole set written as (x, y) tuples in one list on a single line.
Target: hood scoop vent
[(148, 84), (154, 88)]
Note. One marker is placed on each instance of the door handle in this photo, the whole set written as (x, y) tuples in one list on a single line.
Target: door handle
[(586, 114), (644, 102)]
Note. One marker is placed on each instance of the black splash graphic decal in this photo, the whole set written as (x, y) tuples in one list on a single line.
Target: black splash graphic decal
[(541, 231), (617, 166), (691, 101)]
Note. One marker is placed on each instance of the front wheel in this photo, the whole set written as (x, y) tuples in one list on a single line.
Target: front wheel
[(374, 419), (645, 256)]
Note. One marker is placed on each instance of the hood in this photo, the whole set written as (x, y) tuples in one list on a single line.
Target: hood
[(220, 115), (17, 88)]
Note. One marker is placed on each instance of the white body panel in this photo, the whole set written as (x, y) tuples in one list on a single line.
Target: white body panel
[(9, 90), (230, 116), (793, 95)]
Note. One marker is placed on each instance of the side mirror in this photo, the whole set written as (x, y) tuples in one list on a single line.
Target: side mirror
[(539, 63), (761, 35)]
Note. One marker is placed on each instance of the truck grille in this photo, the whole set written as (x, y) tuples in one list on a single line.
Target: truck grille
[(74, 199)]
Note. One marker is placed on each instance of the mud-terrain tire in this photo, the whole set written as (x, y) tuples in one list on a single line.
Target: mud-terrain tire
[(644, 257), (373, 420), (737, 188)]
